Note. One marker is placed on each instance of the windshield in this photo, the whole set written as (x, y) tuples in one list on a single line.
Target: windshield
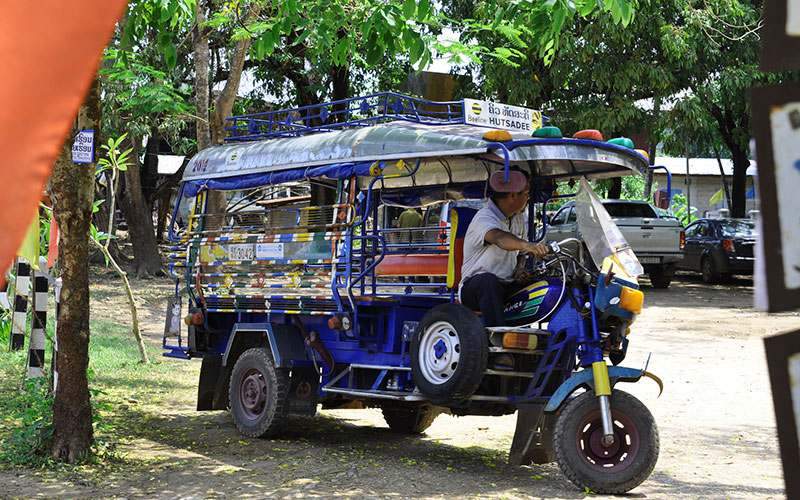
[(602, 237), (740, 228)]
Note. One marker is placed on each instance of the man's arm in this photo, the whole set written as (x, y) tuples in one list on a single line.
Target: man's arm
[(511, 243)]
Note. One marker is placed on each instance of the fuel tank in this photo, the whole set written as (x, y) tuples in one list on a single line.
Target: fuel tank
[(533, 302)]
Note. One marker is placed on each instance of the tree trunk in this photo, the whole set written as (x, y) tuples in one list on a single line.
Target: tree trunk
[(724, 181), (146, 259), (201, 76), (163, 200), (72, 192), (739, 185), (615, 191), (654, 138)]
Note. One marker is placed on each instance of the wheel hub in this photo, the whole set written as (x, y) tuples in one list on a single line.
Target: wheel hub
[(614, 456), (253, 394), (439, 352)]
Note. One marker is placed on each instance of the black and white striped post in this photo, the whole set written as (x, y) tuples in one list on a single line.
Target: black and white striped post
[(54, 361), (19, 318), (39, 324)]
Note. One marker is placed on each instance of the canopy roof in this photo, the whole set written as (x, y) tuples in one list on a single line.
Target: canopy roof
[(307, 156)]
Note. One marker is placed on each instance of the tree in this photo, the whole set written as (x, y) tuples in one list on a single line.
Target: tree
[(147, 80), (72, 191)]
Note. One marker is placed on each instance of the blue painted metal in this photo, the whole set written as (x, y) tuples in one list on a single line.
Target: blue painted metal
[(353, 112), (585, 378), (669, 180)]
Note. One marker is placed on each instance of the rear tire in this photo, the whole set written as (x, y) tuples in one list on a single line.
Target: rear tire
[(258, 394), (410, 419), (709, 270), (449, 353), (609, 470), (661, 276)]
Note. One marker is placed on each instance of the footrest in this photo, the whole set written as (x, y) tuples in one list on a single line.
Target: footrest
[(517, 329)]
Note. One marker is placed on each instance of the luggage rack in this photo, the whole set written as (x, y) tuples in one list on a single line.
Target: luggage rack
[(354, 112)]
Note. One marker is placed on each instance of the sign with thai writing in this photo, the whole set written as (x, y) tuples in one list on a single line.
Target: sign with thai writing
[(266, 251), (501, 116), (83, 147)]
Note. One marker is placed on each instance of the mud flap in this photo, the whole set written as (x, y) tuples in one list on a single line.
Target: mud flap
[(533, 437), (210, 372)]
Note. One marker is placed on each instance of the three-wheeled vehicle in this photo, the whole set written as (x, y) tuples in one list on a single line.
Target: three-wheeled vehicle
[(301, 291)]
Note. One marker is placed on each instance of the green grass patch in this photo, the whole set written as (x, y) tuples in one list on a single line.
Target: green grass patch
[(121, 389)]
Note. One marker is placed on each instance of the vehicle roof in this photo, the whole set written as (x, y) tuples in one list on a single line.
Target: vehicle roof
[(632, 202), (725, 219)]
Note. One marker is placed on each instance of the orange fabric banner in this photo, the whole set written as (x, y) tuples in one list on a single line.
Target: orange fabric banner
[(52, 249), (50, 51)]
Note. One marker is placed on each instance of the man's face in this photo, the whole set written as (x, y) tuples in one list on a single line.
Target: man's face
[(520, 200)]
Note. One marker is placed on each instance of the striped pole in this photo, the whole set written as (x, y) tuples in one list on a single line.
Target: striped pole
[(19, 318), (37, 344), (54, 361)]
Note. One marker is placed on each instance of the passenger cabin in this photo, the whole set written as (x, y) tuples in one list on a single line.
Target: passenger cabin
[(293, 215)]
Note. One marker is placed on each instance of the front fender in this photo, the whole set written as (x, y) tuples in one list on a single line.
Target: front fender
[(585, 378)]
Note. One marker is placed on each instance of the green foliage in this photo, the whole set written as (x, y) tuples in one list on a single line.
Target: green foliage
[(681, 209), (28, 412), (113, 158)]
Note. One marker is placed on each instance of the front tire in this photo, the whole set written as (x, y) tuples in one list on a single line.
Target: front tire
[(258, 394), (449, 353), (609, 470), (410, 419)]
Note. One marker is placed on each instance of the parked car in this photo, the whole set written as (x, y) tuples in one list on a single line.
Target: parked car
[(655, 240), (719, 248)]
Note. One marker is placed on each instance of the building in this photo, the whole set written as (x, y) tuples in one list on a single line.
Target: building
[(703, 182)]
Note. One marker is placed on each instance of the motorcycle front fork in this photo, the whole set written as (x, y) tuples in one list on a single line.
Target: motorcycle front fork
[(602, 389)]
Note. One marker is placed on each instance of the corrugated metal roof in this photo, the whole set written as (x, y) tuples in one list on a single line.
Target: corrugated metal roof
[(556, 157)]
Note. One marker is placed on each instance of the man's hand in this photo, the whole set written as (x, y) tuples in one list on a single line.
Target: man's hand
[(538, 250)]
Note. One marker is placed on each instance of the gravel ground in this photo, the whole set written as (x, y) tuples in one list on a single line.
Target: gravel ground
[(715, 419)]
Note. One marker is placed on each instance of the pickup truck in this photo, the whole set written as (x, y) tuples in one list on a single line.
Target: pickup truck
[(656, 241)]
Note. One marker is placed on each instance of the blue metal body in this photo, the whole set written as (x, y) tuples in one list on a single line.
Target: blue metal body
[(377, 342)]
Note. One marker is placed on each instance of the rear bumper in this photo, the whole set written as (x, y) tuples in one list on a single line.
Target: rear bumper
[(657, 259), (739, 265)]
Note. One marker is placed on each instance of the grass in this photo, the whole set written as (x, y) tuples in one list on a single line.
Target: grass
[(123, 390)]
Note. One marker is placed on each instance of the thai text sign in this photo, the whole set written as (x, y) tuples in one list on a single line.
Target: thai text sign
[(501, 116), (83, 147)]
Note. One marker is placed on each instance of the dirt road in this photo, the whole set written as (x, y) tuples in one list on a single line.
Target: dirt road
[(715, 418)]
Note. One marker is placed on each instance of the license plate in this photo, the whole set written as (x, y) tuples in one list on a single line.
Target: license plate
[(650, 260), (241, 252)]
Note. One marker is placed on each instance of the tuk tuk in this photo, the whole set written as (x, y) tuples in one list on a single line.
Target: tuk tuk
[(302, 290)]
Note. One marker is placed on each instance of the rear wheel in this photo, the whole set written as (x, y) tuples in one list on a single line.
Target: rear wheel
[(709, 269), (661, 276), (611, 469), (410, 419), (449, 353), (258, 394)]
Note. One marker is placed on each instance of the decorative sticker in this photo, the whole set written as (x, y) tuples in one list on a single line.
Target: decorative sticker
[(265, 251), (785, 124)]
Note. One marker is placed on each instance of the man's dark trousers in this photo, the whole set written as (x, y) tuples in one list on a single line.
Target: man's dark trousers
[(486, 293)]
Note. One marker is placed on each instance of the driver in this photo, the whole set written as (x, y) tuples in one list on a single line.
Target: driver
[(495, 246)]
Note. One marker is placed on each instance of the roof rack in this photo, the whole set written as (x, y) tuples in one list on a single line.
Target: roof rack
[(346, 113)]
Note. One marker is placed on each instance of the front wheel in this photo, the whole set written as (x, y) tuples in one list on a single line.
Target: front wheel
[(613, 469)]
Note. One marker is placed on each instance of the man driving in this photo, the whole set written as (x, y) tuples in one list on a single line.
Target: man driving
[(495, 246)]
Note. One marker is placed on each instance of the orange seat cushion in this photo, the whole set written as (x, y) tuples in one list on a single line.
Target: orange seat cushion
[(413, 265)]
